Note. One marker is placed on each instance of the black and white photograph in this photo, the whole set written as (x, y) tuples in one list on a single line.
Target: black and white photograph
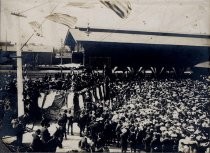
[(127, 76)]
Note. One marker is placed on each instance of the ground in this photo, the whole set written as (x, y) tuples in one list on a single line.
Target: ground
[(68, 145)]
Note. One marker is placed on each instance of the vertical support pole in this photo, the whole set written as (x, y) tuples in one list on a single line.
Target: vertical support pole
[(61, 56), (83, 61), (19, 73)]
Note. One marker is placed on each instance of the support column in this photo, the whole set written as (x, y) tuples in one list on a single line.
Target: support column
[(19, 72)]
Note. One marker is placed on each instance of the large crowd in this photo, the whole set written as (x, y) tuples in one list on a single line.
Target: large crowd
[(154, 115), (164, 115)]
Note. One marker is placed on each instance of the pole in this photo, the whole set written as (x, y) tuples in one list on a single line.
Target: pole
[(83, 61), (6, 42), (61, 56), (19, 72)]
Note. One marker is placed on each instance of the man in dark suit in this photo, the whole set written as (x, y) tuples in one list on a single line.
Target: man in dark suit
[(124, 140), (36, 144), (53, 143), (62, 122), (70, 122), (45, 134)]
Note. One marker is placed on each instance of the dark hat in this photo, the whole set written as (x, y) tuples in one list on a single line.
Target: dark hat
[(38, 131)]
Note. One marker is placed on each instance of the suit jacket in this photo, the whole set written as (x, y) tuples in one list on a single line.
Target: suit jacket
[(45, 135)]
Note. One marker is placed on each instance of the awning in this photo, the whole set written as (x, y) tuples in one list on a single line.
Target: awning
[(203, 65), (71, 65)]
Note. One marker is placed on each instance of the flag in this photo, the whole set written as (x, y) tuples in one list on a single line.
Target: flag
[(84, 4), (64, 19), (37, 27), (81, 102), (121, 7)]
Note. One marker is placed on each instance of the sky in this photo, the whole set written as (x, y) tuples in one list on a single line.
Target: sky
[(174, 16)]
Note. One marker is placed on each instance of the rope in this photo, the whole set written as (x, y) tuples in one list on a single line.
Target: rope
[(34, 7), (38, 27)]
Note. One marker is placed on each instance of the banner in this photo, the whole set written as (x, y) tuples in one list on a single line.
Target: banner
[(70, 98), (97, 93), (49, 99), (53, 111), (64, 55), (93, 98), (81, 102), (41, 99), (45, 101)]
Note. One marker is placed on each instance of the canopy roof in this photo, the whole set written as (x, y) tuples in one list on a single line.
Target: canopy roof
[(138, 37), (71, 65), (203, 65)]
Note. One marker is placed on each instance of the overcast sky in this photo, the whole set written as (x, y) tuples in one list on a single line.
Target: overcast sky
[(176, 16)]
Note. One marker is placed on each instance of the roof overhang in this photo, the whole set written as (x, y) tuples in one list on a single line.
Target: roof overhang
[(138, 37)]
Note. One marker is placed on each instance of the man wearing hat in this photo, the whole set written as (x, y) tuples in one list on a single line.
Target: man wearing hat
[(53, 143), (132, 139), (45, 134), (36, 144), (166, 143), (189, 144), (118, 131), (62, 122), (156, 145), (124, 140), (70, 122)]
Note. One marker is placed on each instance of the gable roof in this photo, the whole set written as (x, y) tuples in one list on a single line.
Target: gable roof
[(138, 37)]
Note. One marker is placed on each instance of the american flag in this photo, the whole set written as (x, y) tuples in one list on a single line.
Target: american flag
[(65, 19), (121, 7)]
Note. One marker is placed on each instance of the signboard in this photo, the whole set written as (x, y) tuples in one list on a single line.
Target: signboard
[(64, 55)]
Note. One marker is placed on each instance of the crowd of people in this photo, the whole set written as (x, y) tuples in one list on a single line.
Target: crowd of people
[(153, 115), (34, 86)]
